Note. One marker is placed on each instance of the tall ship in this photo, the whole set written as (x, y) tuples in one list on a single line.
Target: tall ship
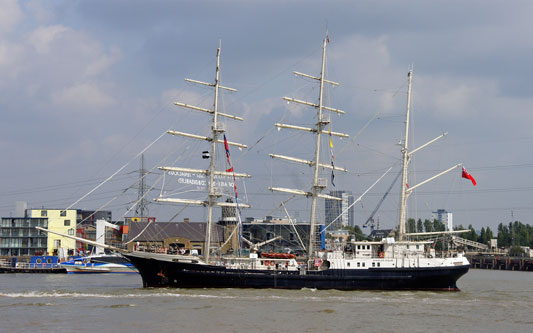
[(397, 263)]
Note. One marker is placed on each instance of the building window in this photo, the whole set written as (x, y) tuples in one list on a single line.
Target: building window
[(43, 213), (66, 223), (378, 264), (63, 213), (348, 264), (373, 264), (363, 264), (358, 264)]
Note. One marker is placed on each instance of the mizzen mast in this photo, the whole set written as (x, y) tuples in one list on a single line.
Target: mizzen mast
[(318, 183), (406, 190), (216, 130), (405, 161)]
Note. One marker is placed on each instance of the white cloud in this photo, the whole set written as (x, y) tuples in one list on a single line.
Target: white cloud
[(83, 96), (42, 37), (10, 15), (103, 62), (9, 53)]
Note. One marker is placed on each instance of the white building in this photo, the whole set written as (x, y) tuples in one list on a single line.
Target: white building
[(445, 217)]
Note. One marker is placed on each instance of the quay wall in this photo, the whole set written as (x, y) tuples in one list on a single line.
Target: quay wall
[(500, 262)]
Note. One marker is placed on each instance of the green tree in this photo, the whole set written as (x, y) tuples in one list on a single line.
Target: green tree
[(411, 226), (438, 225), (504, 236), (419, 226), (428, 226), (358, 233), (489, 235), (472, 235), (355, 232), (482, 236)]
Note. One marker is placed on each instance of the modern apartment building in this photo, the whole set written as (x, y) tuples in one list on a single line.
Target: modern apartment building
[(18, 236), (61, 221), (444, 217), (334, 208)]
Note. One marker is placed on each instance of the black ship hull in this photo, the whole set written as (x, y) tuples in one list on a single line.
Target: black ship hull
[(160, 273)]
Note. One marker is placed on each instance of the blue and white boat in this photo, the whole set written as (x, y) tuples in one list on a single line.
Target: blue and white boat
[(99, 263)]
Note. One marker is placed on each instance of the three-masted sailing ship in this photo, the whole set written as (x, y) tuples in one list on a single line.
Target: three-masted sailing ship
[(390, 264)]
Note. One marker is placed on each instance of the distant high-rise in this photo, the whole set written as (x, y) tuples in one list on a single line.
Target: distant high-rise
[(334, 208), (445, 217)]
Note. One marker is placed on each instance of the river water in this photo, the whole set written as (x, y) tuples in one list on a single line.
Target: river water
[(490, 301)]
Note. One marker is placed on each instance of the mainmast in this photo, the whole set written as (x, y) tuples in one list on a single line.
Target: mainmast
[(318, 183), (216, 131)]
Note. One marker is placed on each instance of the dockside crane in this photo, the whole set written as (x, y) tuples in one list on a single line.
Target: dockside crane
[(370, 221)]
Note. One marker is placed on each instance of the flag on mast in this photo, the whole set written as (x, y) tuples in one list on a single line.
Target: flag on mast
[(466, 175)]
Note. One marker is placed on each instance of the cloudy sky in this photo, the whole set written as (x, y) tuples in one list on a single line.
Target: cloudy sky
[(86, 85)]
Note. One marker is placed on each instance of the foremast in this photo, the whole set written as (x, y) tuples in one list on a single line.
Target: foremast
[(216, 131), (318, 183)]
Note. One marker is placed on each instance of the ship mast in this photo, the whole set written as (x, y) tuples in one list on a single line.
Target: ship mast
[(320, 125), (318, 183), (406, 156), (405, 160), (216, 130), (214, 136)]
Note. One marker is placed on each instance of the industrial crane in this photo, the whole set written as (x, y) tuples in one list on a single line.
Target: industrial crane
[(370, 221)]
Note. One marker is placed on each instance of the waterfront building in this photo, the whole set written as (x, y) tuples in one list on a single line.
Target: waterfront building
[(86, 225), (191, 235), (334, 208), (18, 236), (61, 221)]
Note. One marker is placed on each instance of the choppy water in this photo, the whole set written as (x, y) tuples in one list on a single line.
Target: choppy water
[(490, 301)]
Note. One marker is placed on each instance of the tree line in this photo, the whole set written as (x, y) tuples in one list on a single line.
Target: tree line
[(509, 235), (512, 235)]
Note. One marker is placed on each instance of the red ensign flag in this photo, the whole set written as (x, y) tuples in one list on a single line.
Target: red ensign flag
[(468, 176)]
